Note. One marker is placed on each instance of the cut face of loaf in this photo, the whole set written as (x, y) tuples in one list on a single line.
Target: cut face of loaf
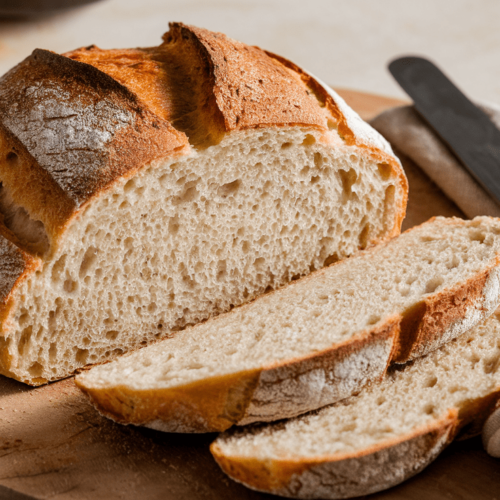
[(314, 342), (381, 437), (144, 190)]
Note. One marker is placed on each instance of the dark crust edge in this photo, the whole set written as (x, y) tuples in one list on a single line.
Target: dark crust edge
[(146, 139), (16, 266)]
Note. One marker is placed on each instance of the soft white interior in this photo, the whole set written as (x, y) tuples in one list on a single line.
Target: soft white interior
[(185, 240), (454, 376), (317, 311)]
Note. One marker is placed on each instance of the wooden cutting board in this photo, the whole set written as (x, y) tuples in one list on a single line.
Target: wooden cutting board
[(53, 444)]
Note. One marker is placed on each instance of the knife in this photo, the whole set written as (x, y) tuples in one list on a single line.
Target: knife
[(462, 126)]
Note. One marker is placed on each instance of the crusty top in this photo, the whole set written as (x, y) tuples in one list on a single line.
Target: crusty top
[(250, 88), (144, 72), (92, 115), (82, 127), (207, 84), (71, 125)]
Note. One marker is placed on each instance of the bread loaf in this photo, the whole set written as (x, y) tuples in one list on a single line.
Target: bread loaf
[(314, 342), (144, 190), (379, 438)]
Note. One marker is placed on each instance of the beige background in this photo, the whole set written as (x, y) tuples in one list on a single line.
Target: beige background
[(345, 42)]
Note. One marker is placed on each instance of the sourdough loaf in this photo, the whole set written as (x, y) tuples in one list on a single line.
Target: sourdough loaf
[(314, 342), (144, 190), (379, 438)]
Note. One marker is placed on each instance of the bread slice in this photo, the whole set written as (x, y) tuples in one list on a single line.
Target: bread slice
[(314, 342), (144, 190), (379, 438)]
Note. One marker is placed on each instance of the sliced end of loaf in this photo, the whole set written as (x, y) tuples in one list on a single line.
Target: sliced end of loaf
[(379, 438), (337, 477), (318, 340), (188, 239), (185, 179)]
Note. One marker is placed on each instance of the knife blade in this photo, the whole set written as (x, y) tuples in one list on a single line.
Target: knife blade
[(462, 126)]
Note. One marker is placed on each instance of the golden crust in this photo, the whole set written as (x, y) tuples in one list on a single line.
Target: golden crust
[(75, 129), (38, 193), (250, 88), (198, 407), (288, 476), (144, 71), (235, 86), (423, 325)]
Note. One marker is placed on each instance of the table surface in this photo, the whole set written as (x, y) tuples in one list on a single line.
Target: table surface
[(53, 444)]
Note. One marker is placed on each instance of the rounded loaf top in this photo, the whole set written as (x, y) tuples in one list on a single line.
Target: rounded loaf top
[(91, 116)]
